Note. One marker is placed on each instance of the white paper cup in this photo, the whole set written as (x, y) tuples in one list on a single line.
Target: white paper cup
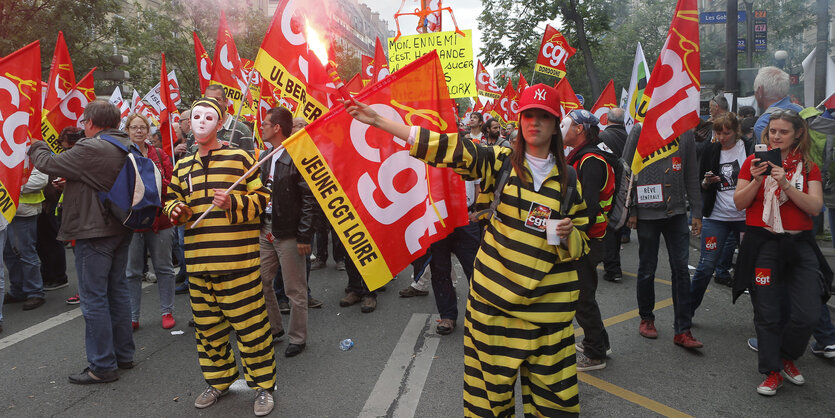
[(551, 231)]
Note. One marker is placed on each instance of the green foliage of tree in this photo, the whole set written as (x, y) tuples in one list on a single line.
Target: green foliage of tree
[(87, 27)]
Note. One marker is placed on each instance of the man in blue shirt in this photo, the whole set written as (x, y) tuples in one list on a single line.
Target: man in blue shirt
[(771, 90)]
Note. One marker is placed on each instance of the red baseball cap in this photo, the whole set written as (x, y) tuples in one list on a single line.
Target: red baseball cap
[(541, 96)]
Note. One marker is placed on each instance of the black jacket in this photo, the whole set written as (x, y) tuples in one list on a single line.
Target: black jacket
[(614, 136), (710, 162), (294, 207)]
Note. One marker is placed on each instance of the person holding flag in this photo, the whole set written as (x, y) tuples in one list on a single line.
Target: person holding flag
[(222, 259), (524, 286)]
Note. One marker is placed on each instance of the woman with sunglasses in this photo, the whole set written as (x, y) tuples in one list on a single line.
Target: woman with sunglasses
[(524, 287), (779, 260)]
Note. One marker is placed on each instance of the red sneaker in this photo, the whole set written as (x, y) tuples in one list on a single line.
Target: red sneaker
[(791, 373), (686, 340), (134, 325), (770, 385), (647, 329), (168, 321)]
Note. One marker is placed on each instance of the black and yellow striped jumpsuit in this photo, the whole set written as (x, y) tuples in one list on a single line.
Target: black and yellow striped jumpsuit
[(222, 258), (524, 291)]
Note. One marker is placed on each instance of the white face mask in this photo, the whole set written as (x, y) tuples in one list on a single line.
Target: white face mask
[(564, 125), (204, 121)]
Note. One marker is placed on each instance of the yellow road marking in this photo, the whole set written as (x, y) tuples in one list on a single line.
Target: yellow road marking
[(630, 396)]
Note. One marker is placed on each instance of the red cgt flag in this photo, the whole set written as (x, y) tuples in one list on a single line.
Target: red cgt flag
[(568, 99), (204, 64), (227, 69), (354, 85), (485, 86), (478, 105), (367, 70), (673, 89), (284, 61), (386, 206), (61, 75), (506, 106), (553, 53), (606, 101), (523, 84), (20, 120), (68, 111), (381, 64)]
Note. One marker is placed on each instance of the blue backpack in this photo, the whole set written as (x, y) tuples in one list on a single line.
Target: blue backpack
[(135, 197)]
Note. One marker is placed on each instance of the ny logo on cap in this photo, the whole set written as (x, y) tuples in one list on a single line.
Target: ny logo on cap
[(539, 95)]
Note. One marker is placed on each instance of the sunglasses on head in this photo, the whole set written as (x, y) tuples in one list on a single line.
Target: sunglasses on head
[(785, 113)]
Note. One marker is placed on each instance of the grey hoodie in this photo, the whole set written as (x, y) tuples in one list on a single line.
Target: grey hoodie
[(677, 184)]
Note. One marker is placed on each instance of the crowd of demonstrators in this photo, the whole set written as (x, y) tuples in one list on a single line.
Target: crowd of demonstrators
[(222, 259), (597, 179), (156, 241), (531, 265), (518, 307)]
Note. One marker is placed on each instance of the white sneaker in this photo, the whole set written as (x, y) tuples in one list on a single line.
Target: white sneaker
[(263, 403), (208, 398)]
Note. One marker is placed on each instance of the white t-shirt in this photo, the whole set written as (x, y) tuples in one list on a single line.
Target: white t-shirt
[(540, 168), (729, 163)]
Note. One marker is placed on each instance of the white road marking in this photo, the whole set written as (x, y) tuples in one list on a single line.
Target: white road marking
[(401, 382), (45, 325)]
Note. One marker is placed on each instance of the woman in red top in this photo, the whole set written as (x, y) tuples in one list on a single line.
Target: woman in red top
[(779, 260)]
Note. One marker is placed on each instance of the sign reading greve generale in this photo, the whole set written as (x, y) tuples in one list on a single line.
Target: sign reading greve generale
[(455, 52)]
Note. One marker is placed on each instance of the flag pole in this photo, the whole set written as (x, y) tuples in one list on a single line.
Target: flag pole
[(171, 138), (241, 107), (239, 180)]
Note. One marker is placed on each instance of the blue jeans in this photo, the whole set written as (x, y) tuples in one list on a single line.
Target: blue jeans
[(159, 246), (2, 272), (831, 212), (675, 232), (717, 233), (180, 249), (21, 257), (726, 256), (105, 300), (825, 332)]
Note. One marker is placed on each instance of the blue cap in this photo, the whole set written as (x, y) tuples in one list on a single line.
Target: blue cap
[(583, 117)]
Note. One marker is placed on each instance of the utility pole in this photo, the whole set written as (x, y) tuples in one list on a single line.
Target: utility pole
[(730, 53), (822, 51), (749, 33)]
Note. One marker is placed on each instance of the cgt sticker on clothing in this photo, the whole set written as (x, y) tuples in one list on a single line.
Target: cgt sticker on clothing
[(538, 216), (710, 244), (762, 277)]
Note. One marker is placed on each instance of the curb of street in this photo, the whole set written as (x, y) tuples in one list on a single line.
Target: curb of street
[(825, 246)]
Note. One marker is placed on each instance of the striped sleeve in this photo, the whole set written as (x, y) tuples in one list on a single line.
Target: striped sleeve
[(248, 206), (470, 160), (175, 195), (577, 243)]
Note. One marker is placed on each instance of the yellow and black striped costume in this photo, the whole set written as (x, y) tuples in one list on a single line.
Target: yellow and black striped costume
[(222, 258), (523, 292)]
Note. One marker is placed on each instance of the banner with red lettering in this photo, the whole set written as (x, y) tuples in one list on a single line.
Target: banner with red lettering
[(386, 207), (553, 53), (20, 117), (568, 99), (61, 75), (139, 106), (204, 64), (604, 103), (485, 86), (68, 111), (155, 99), (381, 63), (673, 89), (284, 61)]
